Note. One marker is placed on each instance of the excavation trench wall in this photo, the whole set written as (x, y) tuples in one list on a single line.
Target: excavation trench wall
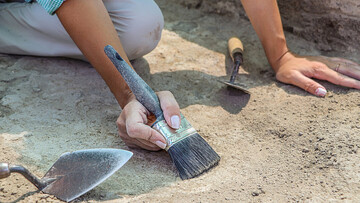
[(334, 25)]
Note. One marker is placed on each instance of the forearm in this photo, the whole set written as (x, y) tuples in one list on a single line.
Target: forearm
[(265, 18), (89, 25)]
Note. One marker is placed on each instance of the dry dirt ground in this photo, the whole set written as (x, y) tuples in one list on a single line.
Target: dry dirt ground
[(279, 144)]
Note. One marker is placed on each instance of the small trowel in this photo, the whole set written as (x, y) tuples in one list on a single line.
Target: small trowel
[(74, 173), (236, 50)]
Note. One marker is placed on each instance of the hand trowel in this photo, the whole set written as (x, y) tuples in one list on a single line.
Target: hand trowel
[(236, 49), (74, 173)]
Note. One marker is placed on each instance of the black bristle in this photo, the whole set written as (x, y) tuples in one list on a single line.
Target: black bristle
[(193, 156)]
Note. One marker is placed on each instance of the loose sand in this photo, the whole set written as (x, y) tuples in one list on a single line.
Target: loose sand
[(280, 144)]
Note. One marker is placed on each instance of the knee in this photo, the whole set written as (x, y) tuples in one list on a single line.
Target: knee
[(139, 25)]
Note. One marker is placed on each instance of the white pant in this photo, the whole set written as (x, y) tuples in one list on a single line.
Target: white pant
[(27, 29)]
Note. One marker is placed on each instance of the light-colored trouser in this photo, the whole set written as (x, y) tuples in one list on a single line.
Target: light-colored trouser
[(27, 29)]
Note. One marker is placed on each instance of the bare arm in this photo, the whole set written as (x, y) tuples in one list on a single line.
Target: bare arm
[(265, 18), (89, 25)]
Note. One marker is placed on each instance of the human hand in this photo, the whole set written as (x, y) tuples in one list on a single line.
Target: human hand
[(298, 70), (135, 120)]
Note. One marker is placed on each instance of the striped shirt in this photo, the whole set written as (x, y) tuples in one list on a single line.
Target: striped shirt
[(50, 5)]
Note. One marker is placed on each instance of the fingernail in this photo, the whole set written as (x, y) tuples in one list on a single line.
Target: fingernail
[(160, 144), (321, 92), (175, 122)]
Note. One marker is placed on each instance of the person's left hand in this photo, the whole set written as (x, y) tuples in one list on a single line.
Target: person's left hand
[(298, 70)]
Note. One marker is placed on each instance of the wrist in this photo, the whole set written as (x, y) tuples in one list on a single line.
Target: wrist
[(276, 64), (276, 59), (125, 97), (275, 49), (275, 52)]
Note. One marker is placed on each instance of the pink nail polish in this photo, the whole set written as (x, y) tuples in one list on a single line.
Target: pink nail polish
[(175, 122), (321, 92)]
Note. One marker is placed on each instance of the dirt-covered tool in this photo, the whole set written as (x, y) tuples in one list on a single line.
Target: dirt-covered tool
[(74, 173), (236, 50)]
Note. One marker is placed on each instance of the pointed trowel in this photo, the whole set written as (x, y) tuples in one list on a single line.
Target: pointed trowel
[(74, 173), (236, 50)]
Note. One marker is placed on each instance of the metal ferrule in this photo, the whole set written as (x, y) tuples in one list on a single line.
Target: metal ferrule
[(173, 136)]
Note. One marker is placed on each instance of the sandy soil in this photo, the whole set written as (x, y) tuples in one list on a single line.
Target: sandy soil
[(278, 145)]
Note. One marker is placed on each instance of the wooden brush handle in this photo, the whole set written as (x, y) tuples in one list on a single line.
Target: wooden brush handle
[(235, 47), (143, 93)]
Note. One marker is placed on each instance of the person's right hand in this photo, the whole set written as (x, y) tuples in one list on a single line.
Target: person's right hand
[(134, 120)]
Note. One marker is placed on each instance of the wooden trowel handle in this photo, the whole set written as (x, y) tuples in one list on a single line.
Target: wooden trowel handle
[(235, 47)]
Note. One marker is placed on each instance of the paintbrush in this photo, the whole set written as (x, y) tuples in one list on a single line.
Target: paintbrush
[(191, 154)]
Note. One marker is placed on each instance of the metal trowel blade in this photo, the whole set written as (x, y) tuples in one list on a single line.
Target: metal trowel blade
[(78, 172), (236, 86)]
